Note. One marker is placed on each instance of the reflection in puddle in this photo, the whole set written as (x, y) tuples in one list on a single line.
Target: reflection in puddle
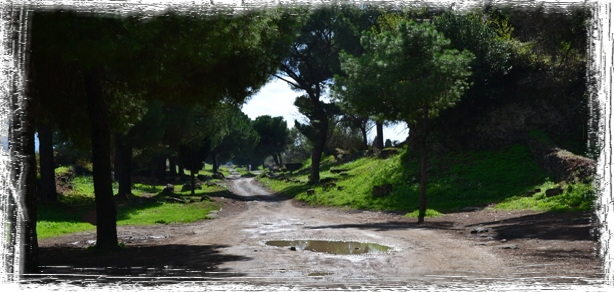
[(332, 247)]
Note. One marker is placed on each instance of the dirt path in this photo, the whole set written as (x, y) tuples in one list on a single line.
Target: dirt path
[(232, 246)]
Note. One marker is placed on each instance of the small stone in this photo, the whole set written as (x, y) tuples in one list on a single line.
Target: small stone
[(508, 246), (292, 248), (479, 230), (504, 240)]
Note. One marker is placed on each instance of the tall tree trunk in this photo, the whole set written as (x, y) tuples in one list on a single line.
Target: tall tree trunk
[(159, 171), (181, 169), (274, 155), (172, 166), (316, 154), (363, 131), (116, 164), (214, 160), (423, 166), (281, 163), (123, 155), (192, 181), (48, 191), (263, 166), (106, 213), (379, 144)]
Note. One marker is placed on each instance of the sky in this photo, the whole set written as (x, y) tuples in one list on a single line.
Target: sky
[(276, 99)]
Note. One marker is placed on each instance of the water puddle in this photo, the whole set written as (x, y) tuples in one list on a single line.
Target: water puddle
[(332, 247)]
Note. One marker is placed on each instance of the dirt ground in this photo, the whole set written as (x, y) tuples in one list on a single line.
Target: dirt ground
[(231, 247)]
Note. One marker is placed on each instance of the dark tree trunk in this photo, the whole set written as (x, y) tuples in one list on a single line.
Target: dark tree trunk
[(281, 163), (363, 131), (106, 213), (214, 160), (316, 154), (192, 181), (263, 166), (379, 144), (47, 169), (275, 159), (116, 164), (172, 166), (180, 169), (123, 157), (423, 166), (159, 168)]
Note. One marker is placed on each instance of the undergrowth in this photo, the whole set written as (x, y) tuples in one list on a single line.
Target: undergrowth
[(455, 181)]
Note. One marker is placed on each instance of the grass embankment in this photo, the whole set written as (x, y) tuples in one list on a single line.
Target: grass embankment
[(66, 216), (456, 181)]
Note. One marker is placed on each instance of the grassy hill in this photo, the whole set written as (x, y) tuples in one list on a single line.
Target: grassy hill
[(498, 179)]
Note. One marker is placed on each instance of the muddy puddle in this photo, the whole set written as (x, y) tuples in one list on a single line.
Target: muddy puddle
[(331, 247)]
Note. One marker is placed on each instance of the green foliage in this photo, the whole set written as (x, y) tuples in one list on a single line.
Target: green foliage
[(457, 180), (274, 135), (406, 70)]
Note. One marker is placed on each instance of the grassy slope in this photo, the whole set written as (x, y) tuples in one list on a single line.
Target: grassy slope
[(66, 216), (456, 180)]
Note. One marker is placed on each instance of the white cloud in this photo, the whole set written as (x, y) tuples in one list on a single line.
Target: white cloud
[(274, 99)]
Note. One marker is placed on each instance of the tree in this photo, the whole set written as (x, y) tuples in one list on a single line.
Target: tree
[(194, 60), (240, 136), (147, 131), (408, 75), (273, 132), (203, 131), (313, 60)]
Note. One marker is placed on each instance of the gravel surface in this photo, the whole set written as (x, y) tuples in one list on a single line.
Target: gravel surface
[(475, 244)]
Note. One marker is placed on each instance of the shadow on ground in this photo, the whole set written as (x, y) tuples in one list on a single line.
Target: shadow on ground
[(134, 261), (546, 226), (391, 225)]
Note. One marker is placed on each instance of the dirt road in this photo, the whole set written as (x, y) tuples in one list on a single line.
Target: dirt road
[(232, 246)]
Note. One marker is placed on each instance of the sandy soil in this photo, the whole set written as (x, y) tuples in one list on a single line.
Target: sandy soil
[(231, 247)]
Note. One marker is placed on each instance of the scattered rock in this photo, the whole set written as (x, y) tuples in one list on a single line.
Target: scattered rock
[(328, 180), (218, 175), (328, 186), (554, 192), (508, 246), (479, 230), (292, 248), (504, 240), (381, 191), (205, 198), (169, 189), (175, 200), (311, 192)]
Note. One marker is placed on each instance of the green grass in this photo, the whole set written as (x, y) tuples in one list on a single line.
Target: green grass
[(456, 180), (66, 216)]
